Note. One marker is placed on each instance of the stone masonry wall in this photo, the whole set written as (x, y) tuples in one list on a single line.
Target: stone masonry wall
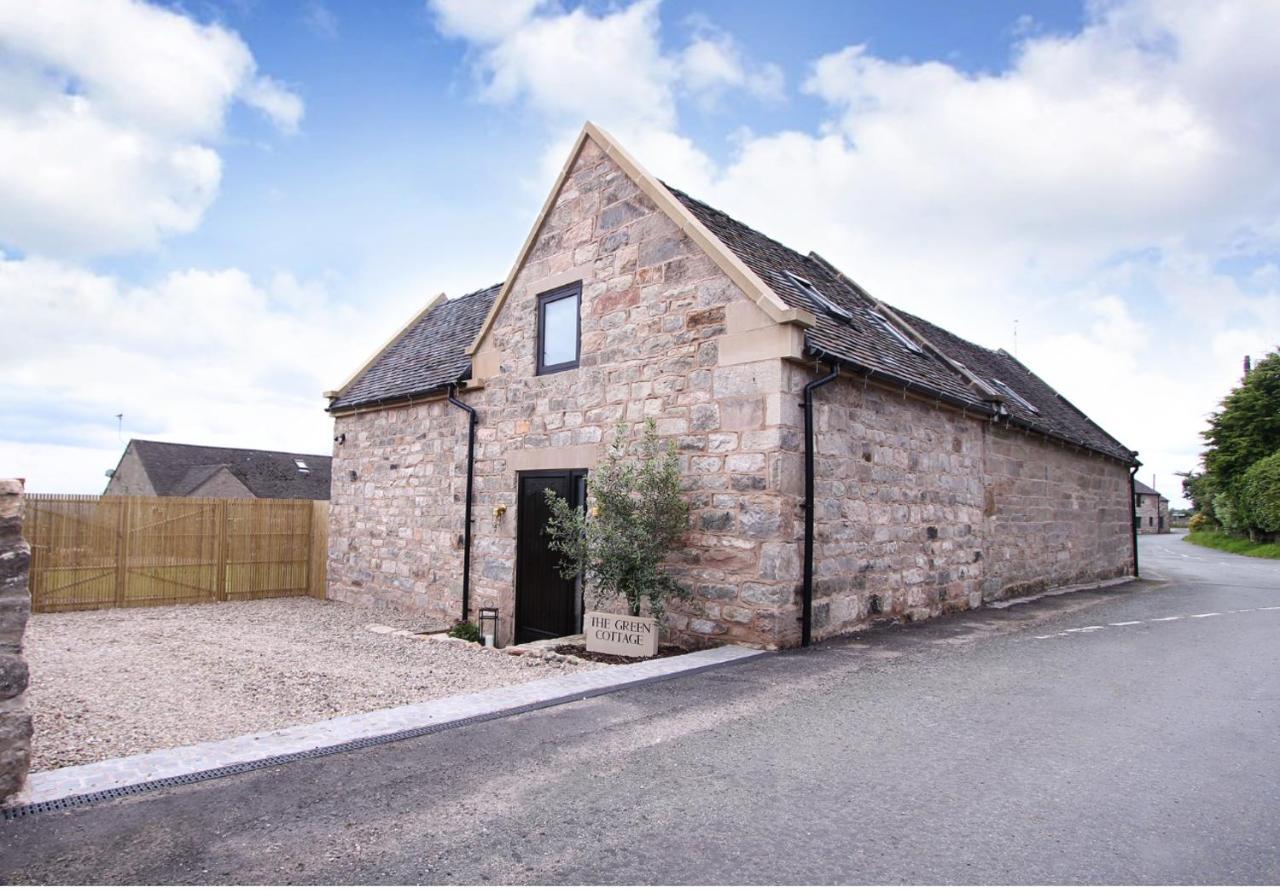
[(129, 477), (898, 508), (395, 532), (15, 606), (923, 511), (653, 306), (1054, 515)]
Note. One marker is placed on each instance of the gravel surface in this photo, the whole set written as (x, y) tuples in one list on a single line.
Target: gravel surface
[(117, 682)]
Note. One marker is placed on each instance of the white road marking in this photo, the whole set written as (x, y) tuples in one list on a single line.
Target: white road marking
[(1171, 617)]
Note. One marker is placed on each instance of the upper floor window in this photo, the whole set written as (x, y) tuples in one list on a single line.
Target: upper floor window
[(559, 328)]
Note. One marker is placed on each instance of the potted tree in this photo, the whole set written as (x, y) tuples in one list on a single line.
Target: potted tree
[(634, 517)]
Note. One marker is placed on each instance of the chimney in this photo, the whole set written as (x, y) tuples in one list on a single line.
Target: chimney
[(1248, 366)]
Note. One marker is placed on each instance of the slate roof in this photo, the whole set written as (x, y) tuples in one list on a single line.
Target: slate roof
[(1139, 487), (867, 342), (432, 353), (176, 469)]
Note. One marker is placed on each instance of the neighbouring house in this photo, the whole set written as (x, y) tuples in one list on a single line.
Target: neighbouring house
[(939, 474), (155, 468), (1150, 509)]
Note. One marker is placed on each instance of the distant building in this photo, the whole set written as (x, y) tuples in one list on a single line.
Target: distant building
[(1151, 508), (153, 468)]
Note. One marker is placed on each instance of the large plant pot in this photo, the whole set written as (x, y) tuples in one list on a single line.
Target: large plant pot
[(620, 634)]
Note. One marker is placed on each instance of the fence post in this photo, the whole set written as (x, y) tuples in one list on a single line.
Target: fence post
[(122, 554), (318, 550), (220, 515)]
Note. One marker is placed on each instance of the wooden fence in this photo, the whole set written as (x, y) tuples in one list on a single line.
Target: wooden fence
[(92, 552)]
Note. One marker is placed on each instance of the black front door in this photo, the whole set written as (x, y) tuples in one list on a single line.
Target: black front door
[(547, 605)]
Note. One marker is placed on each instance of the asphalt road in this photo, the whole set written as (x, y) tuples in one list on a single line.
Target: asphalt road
[(1054, 741)]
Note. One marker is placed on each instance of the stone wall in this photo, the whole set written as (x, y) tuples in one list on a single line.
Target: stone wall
[(1054, 515), (898, 508), (15, 605), (924, 510)]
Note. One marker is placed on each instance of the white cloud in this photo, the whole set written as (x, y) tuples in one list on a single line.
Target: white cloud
[(108, 114), (1091, 190), (200, 356)]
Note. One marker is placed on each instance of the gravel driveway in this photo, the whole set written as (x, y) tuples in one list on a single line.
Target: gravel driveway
[(117, 682)]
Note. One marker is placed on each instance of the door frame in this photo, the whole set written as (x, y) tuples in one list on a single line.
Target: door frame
[(575, 474)]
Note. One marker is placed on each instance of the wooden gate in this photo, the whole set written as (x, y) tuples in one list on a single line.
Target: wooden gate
[(128, 551)]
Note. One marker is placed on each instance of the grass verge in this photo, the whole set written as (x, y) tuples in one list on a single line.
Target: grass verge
[(1215, 539)]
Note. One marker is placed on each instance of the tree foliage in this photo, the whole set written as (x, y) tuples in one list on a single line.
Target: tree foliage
[(636, 518), (1260, 494), (1243, 434)]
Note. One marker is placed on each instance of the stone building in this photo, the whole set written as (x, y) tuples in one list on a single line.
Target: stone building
[(1150, 509), (942, 474), (155, 468), (15, 607)]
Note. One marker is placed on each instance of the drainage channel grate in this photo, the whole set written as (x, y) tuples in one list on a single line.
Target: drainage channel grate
[(142, 787)]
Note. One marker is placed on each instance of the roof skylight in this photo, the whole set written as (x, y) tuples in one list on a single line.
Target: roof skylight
[(302, 466), (1013, 395), (818, 298), (897, 335)]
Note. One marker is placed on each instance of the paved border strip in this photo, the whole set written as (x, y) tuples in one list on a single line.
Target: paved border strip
[(60, 789)]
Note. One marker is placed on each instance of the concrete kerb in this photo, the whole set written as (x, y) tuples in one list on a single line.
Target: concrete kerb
[(95, 782), (1063, 590)]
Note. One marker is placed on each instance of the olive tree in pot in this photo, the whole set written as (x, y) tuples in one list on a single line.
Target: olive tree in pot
[(618, 543)]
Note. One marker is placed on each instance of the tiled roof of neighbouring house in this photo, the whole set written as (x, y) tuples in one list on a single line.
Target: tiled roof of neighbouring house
[(1142, 488), (176, 469), (430, 354)]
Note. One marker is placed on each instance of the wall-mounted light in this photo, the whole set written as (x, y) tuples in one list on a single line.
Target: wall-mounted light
[(353, 474), (499, 510), (489, 626)]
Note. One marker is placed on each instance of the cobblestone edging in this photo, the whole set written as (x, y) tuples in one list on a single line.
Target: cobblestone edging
[(15, 607), (175, 763)]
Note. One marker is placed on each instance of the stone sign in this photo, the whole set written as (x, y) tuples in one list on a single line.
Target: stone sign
[(620, 634)]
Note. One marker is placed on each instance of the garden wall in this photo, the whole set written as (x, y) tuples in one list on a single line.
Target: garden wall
[(15, 605)]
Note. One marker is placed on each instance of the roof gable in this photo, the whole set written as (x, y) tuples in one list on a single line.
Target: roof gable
[(756, 289), (427, 354)]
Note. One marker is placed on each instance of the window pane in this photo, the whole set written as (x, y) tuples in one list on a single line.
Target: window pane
[(560, 331)]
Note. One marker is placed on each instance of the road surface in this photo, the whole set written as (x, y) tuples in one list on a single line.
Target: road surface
[(1124, 736)]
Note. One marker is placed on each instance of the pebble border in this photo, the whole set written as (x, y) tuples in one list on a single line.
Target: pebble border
[(148, 771)]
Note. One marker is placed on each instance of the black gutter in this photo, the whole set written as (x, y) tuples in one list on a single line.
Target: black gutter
[(471, 467), (806, 609), (1133, 517)]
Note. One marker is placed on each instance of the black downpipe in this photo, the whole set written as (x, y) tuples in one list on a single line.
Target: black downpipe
[(1133, 517), (806, 609), (471, 474)]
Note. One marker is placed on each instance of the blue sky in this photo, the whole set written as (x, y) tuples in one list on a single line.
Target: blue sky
[(211, 212)]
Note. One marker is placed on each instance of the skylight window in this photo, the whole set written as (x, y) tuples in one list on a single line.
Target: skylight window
[(819, 299), (1013, 395), (302, 466), (897, 335)]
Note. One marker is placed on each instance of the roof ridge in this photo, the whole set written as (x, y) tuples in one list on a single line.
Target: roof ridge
[(210, 446)]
